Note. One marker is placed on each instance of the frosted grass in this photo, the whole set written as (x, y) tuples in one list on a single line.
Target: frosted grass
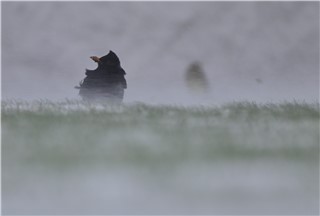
[(72, 157)]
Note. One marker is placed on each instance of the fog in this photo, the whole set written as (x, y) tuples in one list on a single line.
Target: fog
[(71, 157), (256, 51)]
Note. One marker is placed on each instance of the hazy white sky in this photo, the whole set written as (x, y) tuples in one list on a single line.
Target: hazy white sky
[(46, 48)]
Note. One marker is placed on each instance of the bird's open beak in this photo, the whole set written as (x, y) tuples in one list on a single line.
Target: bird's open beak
[(95, 58)]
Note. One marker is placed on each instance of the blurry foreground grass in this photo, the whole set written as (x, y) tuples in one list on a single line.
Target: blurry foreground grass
[(242, 139), (69, 132)]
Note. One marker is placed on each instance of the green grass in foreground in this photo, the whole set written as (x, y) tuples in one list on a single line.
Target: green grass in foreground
[(74, 158), (73, 132)]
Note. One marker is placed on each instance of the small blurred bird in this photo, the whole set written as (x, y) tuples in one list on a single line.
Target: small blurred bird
[(105, 83), (196, 79)]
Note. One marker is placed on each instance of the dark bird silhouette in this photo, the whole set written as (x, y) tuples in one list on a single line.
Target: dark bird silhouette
[(196, 79), (107, 82)]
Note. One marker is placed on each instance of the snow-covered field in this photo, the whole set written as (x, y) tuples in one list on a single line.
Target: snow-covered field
[(77, 158)]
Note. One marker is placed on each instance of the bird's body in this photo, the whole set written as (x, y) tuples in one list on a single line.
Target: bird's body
[(107, 82), (196, 79)]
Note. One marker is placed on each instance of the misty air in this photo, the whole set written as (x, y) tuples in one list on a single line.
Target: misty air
[(160, 108)]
